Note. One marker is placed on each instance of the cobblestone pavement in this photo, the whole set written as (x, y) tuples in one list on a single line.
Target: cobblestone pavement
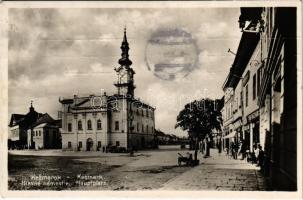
[(219, 172)]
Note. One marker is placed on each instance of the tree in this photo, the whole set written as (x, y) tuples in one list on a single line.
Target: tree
[(199, 118)]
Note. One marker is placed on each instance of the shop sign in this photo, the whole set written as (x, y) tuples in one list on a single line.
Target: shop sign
[(253, 115)]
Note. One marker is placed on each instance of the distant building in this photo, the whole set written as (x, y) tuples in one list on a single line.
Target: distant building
[(227, 115), (243, 84), (33, 131), (44, 133), (18, 126), (91, 123)]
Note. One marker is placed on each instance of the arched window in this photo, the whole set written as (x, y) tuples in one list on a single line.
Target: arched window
[(79, 125), (99, 124), (89, 124)]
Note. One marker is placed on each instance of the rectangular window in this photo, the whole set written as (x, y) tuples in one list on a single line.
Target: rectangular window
[(116, 125), (117, 143), (254, 86), (99, 143), (69, 144), (258, 80), (80, 144), (80, 125), (69, 127), (99, 124), (241, 99), (246, 96)]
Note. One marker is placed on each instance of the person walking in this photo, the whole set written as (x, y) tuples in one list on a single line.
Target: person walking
[(219, 146), (260, 157), (232, 148), (236, 148), (243, 150)]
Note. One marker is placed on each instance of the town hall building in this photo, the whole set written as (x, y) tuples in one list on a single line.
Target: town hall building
[(96, 122)]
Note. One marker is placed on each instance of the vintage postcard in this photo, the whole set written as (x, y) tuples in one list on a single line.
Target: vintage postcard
[(177, 99)]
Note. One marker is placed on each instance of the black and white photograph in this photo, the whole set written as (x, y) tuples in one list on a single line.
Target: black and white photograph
[(173, 97)]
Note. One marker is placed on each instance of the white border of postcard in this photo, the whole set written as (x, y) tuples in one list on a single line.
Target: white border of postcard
[(4, 6)]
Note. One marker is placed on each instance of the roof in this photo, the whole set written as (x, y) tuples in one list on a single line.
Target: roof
[(25, 121), (246, 47), (45, 118), (44, 125), (40, 125), (17, 118), (58, 123), (85, 102)]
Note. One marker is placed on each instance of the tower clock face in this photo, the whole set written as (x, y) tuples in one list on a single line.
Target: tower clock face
[(123, 76)]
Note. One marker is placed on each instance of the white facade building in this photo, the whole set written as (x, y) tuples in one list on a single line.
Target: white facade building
[(120, 120)]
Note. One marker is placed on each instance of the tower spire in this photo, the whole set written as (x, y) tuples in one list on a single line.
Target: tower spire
[(124, 60), (125, 38), (31, 109)]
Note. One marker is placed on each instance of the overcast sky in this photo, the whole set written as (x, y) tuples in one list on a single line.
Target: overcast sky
[(62, 52)]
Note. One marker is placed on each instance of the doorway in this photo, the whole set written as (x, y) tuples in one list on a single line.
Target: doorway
[(89, 144)]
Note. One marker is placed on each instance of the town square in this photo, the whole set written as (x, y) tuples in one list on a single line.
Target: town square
[(131, 99)]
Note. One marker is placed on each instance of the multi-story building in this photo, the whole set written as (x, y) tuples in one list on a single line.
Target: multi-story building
[(264, 78), (278, 95), (250, 85), (96, 122), (242, 84), (237, 112), (227, 115)]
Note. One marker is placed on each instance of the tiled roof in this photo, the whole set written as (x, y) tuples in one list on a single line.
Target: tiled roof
[(45, 118)]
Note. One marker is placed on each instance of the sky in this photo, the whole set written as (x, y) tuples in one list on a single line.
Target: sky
[(61, 52)]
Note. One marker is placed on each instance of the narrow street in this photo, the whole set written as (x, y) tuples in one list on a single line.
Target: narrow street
[(219, 172)]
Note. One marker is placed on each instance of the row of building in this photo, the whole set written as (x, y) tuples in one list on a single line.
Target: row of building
[(34, 131), (94, 122), (169, 139), (260, 92)]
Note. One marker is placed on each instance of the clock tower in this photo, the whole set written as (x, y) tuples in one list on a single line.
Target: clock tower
[(125, 82)]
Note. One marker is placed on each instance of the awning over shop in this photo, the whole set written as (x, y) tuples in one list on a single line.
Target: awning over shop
[(231, 135)]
